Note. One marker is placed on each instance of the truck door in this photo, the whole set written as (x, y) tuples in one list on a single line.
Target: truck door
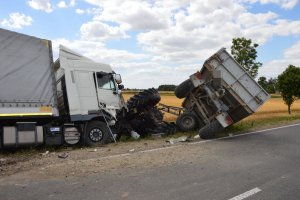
[(85, 90), (107, 91)]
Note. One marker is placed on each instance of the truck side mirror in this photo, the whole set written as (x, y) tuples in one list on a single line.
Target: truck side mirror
[(120, 87), (118, 79)]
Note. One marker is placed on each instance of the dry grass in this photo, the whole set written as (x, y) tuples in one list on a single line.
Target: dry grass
[(275, 107)]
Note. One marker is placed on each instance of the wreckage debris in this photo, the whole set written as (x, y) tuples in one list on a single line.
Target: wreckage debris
[(63, 155), (144, 117)]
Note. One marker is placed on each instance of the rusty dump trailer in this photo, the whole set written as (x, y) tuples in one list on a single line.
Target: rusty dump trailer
[(220, 94)]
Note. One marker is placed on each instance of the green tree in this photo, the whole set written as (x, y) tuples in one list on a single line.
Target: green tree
[(288, 84), (262, 81), (166, 87), (268, 85), (244, 52), (271, 87)]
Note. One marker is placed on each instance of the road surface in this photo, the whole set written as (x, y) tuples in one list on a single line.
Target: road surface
[(263, 165)]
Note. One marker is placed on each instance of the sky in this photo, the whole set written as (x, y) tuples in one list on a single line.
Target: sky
[(158, 42)]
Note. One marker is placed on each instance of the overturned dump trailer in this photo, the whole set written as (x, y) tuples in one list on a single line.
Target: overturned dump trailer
[(220, 94)]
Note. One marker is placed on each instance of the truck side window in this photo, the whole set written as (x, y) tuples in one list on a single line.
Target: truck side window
[(105, 81)]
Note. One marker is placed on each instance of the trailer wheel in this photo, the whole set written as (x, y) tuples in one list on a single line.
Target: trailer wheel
[(184, 88), (96, 133), (149, 97), (209, 131), (187, 122)]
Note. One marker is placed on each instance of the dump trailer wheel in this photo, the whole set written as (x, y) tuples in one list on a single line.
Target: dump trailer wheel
[(96, 134), (187, 122), (209, 131), (149, 97), (184, 88)]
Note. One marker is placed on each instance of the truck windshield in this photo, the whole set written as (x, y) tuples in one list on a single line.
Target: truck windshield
[(105, 81)]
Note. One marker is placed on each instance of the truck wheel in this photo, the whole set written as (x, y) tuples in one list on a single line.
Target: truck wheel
[(187, 122), (209, 131), (184, 88), (96, 134)]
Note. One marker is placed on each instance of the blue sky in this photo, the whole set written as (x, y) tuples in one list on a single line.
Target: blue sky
[(160, 41)]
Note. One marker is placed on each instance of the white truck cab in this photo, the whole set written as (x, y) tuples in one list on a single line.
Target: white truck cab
[(90, 86)]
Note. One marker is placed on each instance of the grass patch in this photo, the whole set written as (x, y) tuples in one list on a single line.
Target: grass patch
[(251, 125)]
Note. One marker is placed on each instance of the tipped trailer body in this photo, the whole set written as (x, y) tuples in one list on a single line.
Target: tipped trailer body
[(42, 102), (220, 94)]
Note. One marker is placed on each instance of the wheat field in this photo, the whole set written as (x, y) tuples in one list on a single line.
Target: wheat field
[(274, 107)]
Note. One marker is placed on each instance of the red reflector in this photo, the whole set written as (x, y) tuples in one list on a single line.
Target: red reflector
[(228, 119)]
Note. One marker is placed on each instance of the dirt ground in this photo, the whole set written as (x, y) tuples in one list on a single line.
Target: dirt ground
[(47, 164)]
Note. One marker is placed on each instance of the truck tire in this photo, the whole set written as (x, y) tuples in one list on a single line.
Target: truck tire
[(184, 88), (149, 97), (209, 131), (187, 122), (96, 134)]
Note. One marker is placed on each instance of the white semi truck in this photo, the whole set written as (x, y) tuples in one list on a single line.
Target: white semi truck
[(73, 99)]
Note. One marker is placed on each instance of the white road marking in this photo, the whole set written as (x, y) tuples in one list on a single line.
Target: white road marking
[(243, 134), (246, 194)]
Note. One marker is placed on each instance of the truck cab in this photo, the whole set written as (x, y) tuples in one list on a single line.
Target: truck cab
[(86, 87), (88, 93)]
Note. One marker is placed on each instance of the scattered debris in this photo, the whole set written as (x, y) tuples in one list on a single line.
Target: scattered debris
[(156, 135), (131, 150), (2, 161), (196, 136), (44, 154), (179, 139), (135, 135), (63, 155)]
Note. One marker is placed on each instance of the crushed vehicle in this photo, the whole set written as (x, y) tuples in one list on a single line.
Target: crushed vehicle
[(73, 100), (220, 94)]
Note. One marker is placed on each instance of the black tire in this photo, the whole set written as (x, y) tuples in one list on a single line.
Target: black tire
[(187, 122), (96, 134), (183, 89), (209, 131), (149, 97)]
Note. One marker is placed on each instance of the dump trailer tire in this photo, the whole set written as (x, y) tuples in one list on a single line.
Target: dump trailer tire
[(96, 134), (149, 97), (209, 131), (184, 88), (187, 122)]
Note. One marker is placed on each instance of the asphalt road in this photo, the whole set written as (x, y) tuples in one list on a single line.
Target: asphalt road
[(263, 165)]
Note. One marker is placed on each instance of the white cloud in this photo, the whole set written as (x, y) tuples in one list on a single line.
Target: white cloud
[(72, 3), (96, 51), (181, 33), (43, 5), (79, 11), (17, 21), (96, 30), (138, 15), (276, 67), (286, 4), (62, 4)]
